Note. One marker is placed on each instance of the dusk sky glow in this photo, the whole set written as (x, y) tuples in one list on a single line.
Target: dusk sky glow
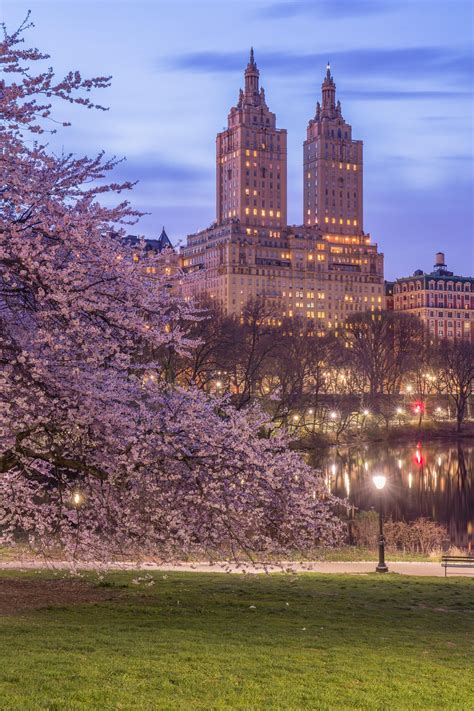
[(404, 76)]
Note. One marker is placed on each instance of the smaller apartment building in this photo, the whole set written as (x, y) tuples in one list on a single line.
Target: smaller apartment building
[(442, 300)]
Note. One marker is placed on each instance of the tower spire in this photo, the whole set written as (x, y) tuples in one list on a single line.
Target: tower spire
[(329, 94), (251, 76)]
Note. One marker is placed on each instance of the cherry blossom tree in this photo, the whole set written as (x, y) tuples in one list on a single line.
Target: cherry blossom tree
[(100, 457)]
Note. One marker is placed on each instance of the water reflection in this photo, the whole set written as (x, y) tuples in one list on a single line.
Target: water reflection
[(435, 480)]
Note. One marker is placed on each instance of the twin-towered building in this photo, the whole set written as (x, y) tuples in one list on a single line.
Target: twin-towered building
[(322, 270)]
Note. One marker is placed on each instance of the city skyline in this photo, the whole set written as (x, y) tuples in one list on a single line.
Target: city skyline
[(407, 95)]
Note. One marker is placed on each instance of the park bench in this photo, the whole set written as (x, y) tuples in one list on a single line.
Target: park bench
[(456, 561)]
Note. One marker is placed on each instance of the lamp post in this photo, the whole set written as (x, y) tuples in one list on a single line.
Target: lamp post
[(379, 483)]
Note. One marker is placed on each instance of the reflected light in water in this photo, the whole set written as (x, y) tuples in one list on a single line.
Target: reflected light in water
[(433, 480)]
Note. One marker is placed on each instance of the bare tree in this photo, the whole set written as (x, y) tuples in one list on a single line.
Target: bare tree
[(247, 344), (456, 375), (382, 347)]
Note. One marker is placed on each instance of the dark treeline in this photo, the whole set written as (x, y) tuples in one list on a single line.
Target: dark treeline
[(381, 368)]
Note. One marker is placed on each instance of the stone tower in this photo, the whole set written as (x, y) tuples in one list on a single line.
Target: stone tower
[(333, 168), (251, 160)]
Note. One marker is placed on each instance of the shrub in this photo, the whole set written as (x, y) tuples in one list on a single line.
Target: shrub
[(418, 536), (364, 529)]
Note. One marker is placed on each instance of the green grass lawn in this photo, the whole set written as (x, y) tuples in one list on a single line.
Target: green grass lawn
[(210, 641)]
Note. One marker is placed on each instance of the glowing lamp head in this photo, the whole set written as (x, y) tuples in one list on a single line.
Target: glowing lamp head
[(77, 498), (333, 415), (366, 413), (409, 388), (379, 481)]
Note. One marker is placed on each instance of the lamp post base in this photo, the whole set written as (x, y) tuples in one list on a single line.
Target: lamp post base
[(381, 568)]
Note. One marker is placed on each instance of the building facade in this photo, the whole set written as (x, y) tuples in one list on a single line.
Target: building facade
[(251, 160), (443, 301), (333, 169), (323, 270)]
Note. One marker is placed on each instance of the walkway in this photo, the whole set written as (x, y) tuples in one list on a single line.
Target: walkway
[(359, 568)]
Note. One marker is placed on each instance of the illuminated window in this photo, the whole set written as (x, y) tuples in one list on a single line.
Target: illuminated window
[(247, 211), (326, 219), (254, 210), (263, 213), (247, 152), (333, 220)]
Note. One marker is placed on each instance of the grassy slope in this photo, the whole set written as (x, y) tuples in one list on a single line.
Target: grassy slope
[(193, 642)]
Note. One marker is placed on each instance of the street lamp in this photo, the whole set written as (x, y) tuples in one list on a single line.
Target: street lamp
[(379, 483)]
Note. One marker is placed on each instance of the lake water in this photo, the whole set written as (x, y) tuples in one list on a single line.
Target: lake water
[(435, 480)]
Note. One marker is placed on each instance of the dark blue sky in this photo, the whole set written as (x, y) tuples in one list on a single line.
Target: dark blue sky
[(404, 75)]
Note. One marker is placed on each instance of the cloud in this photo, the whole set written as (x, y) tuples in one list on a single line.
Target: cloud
[(407, 63), (325, 8), (160, 170), (455, 157), (388, 95)]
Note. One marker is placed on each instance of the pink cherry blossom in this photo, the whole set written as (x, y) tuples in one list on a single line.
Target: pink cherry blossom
[(98, 461)]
